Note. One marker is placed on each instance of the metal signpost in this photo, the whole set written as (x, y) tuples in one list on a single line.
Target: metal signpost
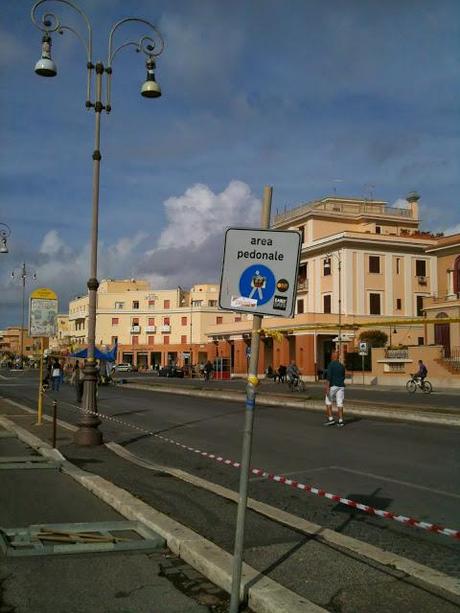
[(259, 276), (363, 352), (43, 310)]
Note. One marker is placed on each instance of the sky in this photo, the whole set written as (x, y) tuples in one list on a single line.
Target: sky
[(348, 97)]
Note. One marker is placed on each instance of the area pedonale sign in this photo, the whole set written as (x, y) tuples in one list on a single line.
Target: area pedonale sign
[(259, 271)]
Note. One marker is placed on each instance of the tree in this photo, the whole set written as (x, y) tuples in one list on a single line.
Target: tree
[(375, 338)]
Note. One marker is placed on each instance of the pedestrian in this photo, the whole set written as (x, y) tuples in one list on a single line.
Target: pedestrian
[(282, 373), (335, 390), (55, 376), (77, 381), (208, 368)]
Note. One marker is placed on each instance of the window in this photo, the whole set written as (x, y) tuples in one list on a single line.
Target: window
[(165, 340), (420, 340), (419, 305), (166, 321), (197, 303), (219, 320), (166, 304), (374, 304), (326, 266), (212, 303), (457, 275), (398, 265), (302, 275), (420, 268), (374, 263), (151, 321), (135, 321), (302, 234), (183, 339), (151, 340), (299, 306), (114, 340), (183, 321), (119, 305), (135, 304), (135, 340), (115, 321), (378, 230), (237, 319), (151, 303), (398, 304), (327, 303)]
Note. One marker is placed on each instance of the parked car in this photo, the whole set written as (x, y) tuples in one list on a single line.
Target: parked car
[(124, 367), (171, 371)]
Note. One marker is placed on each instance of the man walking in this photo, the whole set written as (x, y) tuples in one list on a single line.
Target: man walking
[(335, 390)]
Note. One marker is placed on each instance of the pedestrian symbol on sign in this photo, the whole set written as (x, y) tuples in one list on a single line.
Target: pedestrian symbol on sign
[(258, 283)]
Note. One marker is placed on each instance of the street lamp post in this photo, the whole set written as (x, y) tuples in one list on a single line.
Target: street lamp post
[(23, 274), (88, 432), (4, 234), (338, 256)]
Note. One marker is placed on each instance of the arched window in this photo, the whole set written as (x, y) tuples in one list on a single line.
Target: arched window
[(457, 275)]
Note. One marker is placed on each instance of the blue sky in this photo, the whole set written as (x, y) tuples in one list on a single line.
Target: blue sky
[(308, 96)]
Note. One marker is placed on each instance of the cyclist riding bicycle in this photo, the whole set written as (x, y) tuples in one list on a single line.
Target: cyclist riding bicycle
[(422, 372)]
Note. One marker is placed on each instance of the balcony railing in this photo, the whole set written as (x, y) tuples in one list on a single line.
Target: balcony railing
[(165, 328), (302, 285), (150, 329), (135, 329)]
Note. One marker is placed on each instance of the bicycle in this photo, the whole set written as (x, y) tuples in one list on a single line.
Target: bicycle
[(296, 385), (415, 382)]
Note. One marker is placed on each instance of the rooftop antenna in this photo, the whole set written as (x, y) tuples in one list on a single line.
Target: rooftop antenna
[(335, 187), (370, 187)]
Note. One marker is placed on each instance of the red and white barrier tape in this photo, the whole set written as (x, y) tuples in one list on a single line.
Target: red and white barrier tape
[(407, 521)]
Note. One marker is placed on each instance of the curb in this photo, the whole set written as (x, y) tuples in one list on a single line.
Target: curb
[(306, 405), (263, 595)]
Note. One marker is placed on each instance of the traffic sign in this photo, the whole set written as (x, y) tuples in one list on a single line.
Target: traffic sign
[(259, 271), (43, 310), (363, 348)]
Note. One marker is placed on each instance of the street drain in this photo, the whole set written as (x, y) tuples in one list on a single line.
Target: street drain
[(27, 461), (56, 539)]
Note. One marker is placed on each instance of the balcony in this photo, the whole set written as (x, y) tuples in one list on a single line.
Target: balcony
[(150, 329), (422, 280), (135, 329), (302, 285), (165, 328)]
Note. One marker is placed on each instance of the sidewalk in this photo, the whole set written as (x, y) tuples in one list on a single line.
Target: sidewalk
[(320, 576), (271, 395), (149, 580)]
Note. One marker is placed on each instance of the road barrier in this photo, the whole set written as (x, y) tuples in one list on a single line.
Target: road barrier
[(259, 472)]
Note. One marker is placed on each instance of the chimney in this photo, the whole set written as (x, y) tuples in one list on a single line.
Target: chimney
[(412, 200)]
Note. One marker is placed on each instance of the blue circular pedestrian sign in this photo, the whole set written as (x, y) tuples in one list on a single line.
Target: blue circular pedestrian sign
[(257, 282)]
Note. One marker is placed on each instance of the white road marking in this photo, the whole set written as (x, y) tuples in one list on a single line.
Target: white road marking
[(398, 481)]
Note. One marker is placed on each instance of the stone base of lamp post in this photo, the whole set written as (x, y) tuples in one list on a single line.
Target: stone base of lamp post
[(88, 433)]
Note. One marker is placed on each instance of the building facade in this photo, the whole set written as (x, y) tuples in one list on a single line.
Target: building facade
[(363, 263), (152, 328)]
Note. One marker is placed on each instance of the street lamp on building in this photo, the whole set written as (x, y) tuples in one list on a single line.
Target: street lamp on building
[(4, 234), (88, 432), (23, 274), (338, 257)]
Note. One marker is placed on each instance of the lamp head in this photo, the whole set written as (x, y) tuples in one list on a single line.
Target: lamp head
[(3, 245), (150, 88), (45, 67)]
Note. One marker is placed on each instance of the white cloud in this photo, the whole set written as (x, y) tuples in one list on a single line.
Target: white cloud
[(452, 230), (400, 203), (52, 244), (200, 213)]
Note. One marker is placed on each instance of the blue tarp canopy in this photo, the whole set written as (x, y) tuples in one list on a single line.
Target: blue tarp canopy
[(110, 356)]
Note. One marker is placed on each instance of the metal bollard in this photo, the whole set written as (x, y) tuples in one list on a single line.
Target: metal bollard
[(54, 423)]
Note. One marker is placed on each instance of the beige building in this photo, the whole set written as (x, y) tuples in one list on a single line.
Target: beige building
[(151, 327), (363, 263), (61, 342)]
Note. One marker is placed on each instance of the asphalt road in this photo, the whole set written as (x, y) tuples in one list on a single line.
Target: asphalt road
[(445, 398), (407, 468)]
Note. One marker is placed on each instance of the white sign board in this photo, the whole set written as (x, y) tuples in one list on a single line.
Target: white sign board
[(363, 348), (43, 310), (259, 271)]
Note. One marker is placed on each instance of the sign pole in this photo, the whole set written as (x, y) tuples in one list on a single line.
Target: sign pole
[(247, 434), (40, 386), (362, 365)]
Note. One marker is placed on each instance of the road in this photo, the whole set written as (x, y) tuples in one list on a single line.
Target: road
[(444, 399), (411, 469)]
